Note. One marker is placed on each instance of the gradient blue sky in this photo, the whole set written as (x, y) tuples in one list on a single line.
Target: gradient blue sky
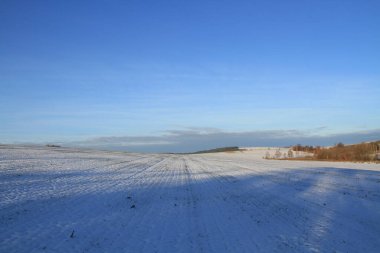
[(80, 70)]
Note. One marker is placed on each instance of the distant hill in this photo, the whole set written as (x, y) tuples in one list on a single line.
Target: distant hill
[(216, 150), (52, 146)]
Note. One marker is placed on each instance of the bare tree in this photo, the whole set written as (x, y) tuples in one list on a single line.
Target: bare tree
[(278, 154)]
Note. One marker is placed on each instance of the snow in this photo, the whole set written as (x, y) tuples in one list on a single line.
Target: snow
[(67, 200)]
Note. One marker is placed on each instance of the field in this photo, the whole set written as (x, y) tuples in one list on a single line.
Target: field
[(66, 200)]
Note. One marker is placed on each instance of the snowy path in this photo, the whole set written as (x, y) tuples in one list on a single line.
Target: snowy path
[(65, 200)]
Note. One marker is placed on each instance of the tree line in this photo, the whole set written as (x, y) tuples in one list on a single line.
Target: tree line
[(358, 152)]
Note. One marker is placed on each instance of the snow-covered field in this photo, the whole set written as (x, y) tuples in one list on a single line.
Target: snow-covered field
[(66, 200)]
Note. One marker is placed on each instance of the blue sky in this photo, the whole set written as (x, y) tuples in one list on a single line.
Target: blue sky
[(77, 71)]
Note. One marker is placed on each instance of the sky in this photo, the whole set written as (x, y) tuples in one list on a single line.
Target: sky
[(181, 76)]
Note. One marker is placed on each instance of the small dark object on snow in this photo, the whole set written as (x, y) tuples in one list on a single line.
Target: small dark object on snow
[(129, 197), (324, 204), (72, 234), (133, 206), (175, 204)]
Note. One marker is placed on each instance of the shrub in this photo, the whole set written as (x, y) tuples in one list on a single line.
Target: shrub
[(340, 152)]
